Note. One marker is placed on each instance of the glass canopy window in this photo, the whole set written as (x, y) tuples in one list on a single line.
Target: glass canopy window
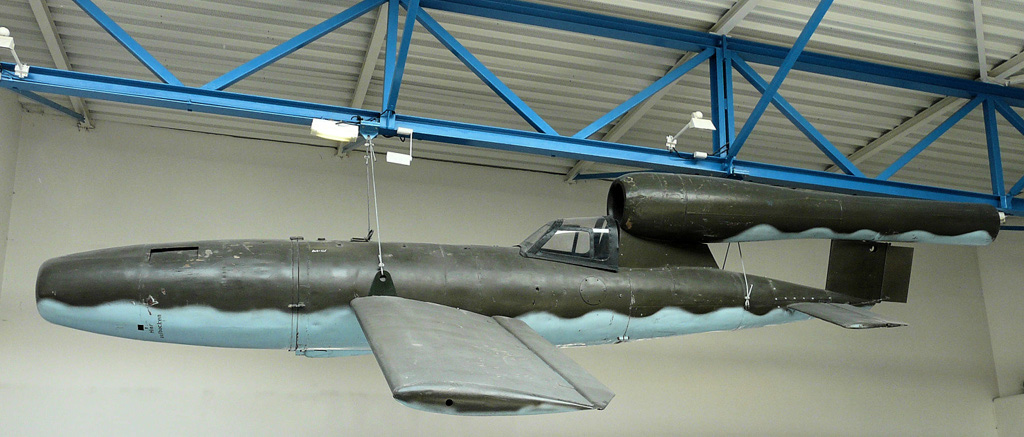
[(589, 242)]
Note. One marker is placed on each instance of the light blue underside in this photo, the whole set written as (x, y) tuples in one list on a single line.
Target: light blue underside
[(337, 332), (769, 232)]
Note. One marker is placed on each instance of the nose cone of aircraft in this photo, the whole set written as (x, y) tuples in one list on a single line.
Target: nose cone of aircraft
[(87, 280)]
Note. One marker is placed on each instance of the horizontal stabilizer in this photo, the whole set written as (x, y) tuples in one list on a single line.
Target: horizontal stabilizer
[(847, 316), (446, 360)]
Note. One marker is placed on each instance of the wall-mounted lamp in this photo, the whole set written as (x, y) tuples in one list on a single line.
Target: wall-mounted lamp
[(697, 121), (334, 130), (7, 42), (401, 158)]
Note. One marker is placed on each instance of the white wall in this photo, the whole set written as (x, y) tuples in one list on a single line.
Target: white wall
[(1002, 279), (121, 185), (10, 126)]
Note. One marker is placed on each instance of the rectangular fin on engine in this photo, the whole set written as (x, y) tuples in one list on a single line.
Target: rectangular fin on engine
[(847, 316)]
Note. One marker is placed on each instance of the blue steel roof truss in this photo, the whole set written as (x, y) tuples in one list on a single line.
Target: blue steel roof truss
[(722, 53)]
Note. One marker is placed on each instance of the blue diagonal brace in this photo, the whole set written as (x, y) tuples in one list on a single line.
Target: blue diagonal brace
[(70, 112), (127, 41), (798, 120), (780, 75), (412, 8), (484, 74), (44, 80), (995, 159), (646, 93), (390, 48), (287, 47), (1018, 123), (928, 140)]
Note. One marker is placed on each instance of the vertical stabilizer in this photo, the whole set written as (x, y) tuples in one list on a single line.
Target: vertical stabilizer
[(869, 271)]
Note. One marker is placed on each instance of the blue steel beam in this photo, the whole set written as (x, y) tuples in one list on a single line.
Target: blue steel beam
[(390, 49), (798, 120), (484, 74), (995, 160), (297, 42), (64, 109), (127, 41), (930, 138), (1018, 123), (692, 41), (412, 8), (722, 110), (300, 113), (646, 93), (780, 75)]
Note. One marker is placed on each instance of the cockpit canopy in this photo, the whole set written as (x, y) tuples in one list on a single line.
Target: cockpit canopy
[(589, 242)]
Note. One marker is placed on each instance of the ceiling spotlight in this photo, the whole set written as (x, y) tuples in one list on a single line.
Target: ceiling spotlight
[(697, 121), (334, 130)]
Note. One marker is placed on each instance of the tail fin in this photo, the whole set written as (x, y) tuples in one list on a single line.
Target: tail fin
[(869, 271)]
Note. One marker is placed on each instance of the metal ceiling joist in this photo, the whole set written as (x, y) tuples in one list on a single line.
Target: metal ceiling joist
[(694, 41), (780, 75), (1018, 123), (370, 59), (979, 36), (995, 160), (733, 17), (547, 142), (723, 26), (391, 93), (646, 93), (798, 120), (60, 57), (998, 74), (484, 74), (287, 47), (127, 41), (930, 138), (295, 112)]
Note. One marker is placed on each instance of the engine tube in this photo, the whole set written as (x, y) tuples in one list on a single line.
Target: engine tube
[(686, 208)]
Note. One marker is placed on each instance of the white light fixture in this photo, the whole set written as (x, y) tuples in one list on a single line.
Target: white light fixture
[(334, 130), (7, 42), (697, 121), (401, 158)]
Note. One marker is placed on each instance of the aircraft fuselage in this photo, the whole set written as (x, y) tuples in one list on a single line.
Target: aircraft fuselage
[(295, 294)]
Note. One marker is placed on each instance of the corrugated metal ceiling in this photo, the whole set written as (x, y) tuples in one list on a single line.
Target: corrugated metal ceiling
[(569, 79)]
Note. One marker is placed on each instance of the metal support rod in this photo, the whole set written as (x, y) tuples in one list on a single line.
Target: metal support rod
[(644, 94), (780, 75), (287, 47), (930, 138), (45, 101), (411, 7), (798, 120), (127, 41), (484, 74)]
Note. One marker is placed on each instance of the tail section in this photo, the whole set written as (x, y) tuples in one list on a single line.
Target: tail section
[(869, 270)]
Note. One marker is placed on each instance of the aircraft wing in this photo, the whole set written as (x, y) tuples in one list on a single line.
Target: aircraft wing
[(847, 316), (447, 360)]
